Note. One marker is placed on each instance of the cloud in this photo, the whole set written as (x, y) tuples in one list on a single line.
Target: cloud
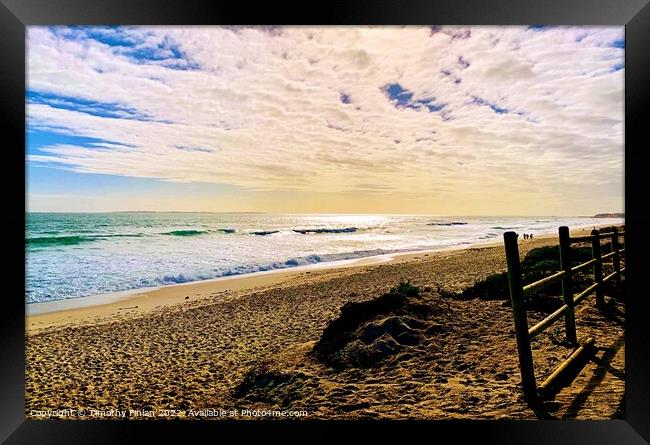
[(322, 108)]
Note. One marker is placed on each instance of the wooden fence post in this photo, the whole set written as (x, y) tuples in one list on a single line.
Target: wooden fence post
[(567, 288), (520, 318), (617, 256), (598, 267)]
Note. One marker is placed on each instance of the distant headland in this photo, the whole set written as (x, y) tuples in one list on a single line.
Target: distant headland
[(609, 215)]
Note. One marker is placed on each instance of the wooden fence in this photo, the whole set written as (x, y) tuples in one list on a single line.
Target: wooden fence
[(518, 292)]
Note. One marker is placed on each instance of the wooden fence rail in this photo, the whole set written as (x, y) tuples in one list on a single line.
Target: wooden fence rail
[(518, 292)]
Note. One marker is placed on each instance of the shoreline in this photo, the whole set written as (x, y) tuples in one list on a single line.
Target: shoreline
[(143, 300), (74, 310), (44, 307)]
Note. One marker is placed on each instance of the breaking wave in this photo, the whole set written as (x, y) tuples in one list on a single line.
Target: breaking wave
[(71, 240), (264, 232), (452, 223), (186, 232), (327, 230), (43, 241)]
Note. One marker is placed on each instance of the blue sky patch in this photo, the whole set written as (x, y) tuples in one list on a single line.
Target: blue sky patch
[(130, 44), (45, 180), (166, 52), (618, 67), (619, 43), (345, 98), (404, 99), (94, 108), (431, 105), (497, 109), (108, 35), (37, 139), (397, 94)]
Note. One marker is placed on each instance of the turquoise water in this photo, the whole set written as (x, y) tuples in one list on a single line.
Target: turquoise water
[(71, 255)]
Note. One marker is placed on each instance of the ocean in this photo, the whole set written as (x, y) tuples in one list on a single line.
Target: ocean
[(72, 255)]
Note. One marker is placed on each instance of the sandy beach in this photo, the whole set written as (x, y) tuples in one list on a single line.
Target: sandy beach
[(188, 347)]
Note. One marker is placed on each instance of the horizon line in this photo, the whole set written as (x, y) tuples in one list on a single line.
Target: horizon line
[(622, 214)]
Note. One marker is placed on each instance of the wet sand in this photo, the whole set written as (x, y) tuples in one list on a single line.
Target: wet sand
[(186, 347)]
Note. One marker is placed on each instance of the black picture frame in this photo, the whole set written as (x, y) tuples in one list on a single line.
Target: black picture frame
[(16, 15)]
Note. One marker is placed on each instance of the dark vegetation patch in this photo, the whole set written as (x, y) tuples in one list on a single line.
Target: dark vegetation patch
[(537, 264), (609, 229), (262, 383), (368, 332)]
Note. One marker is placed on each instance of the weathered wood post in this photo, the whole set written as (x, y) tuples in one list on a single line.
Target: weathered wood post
[(598, 267), (617, 255), (567, 288), (624, 236), (520, 318)]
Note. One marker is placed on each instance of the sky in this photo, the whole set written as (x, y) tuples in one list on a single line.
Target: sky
[(439, 120)]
